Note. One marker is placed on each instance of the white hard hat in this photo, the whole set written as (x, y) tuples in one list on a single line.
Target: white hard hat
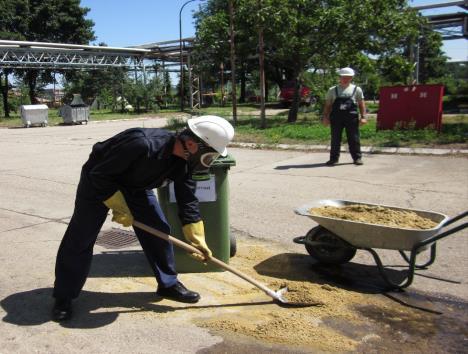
[(215, 131), (346, 72)]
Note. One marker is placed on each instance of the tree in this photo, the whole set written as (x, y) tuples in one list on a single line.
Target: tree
[(301, 35), (167, 90), (431, 58), (212, 46), (336, 33), (457, 79), (12, 27), (106, 85), (58, 21), (186, 94)]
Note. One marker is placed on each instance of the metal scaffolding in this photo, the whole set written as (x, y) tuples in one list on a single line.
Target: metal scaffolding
[(61, 56), (40, 55), (450, 25)]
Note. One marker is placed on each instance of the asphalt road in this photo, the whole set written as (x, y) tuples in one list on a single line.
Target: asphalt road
[(39, 172)]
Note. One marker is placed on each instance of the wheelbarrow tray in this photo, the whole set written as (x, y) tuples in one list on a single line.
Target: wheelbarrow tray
[(366, 235)]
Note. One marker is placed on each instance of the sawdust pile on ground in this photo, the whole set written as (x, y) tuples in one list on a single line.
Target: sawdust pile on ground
[(299, 297), (292, 328), (376, 215), (302, 326)]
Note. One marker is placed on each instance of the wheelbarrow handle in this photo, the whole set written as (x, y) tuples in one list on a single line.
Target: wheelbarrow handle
[(440, 236), (455, 218), (446, 232), (191, 249)]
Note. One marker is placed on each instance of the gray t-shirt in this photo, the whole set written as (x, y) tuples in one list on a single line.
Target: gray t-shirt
[(347, 92)]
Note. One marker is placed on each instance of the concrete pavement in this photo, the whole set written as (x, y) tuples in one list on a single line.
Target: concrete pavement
[(39, 171)]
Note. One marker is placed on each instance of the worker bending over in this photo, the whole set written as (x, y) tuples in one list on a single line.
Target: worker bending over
[(121, 174)]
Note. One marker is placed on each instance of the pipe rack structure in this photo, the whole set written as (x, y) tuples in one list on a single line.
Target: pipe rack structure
[(61, 56)]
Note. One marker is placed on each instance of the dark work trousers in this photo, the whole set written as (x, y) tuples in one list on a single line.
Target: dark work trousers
[(76, 250), (351, 125)]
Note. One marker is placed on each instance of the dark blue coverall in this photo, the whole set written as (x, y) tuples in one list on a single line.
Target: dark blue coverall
[(134, 161), (345, 115)]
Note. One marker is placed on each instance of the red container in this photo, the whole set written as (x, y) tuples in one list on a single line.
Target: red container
[(287, 93), (418, 106)]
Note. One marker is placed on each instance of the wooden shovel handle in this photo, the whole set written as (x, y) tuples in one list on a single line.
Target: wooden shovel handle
[(191, 249)]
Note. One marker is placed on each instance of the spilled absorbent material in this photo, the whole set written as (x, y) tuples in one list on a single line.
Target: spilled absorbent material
[(299, 295)]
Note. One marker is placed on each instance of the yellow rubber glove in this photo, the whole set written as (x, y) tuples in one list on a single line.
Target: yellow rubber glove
[(119, 207), (195, 234)]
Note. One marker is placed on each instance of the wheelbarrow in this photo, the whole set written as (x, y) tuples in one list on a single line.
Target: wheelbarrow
[(335, 241)]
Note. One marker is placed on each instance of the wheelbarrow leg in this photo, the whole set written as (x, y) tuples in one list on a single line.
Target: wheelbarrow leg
[(425, 265), (409, 277), (414, 252)]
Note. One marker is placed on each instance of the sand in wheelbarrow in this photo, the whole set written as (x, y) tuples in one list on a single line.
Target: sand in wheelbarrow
[(377, 215)]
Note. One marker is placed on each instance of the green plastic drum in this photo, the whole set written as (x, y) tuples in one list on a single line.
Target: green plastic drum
[(214, 208)]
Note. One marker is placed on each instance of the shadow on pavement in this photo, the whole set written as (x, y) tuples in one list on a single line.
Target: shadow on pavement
[(120, 264), (349, 276), (91, 309), (357, 277), (312, 165), (33, 307)]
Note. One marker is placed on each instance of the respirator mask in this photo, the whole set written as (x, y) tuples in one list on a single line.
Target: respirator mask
[(199, 163)]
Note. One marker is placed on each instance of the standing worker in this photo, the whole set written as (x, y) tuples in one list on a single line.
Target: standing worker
[(341, 112), (121, 174)]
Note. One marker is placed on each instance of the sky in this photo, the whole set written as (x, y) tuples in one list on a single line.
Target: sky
[(123, 23)]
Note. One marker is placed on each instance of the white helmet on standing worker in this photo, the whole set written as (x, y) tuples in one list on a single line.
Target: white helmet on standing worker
[(346, 72), (215, 131)]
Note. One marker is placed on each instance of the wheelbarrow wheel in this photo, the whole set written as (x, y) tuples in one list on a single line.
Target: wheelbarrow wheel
[(333, 250)]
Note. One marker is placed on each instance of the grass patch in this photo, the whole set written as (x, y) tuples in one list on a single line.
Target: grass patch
[(308, 128), (54, 119)]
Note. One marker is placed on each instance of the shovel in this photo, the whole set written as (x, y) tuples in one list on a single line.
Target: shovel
[(275, 295)]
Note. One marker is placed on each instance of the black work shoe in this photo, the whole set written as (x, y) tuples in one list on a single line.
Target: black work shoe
[(62, 310), (331, 162), (358, 162), (178, 292)]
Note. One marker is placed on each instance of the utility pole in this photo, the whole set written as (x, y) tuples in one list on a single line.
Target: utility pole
[(221, 67), (233, 62), (181, 58), (261, 59)]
